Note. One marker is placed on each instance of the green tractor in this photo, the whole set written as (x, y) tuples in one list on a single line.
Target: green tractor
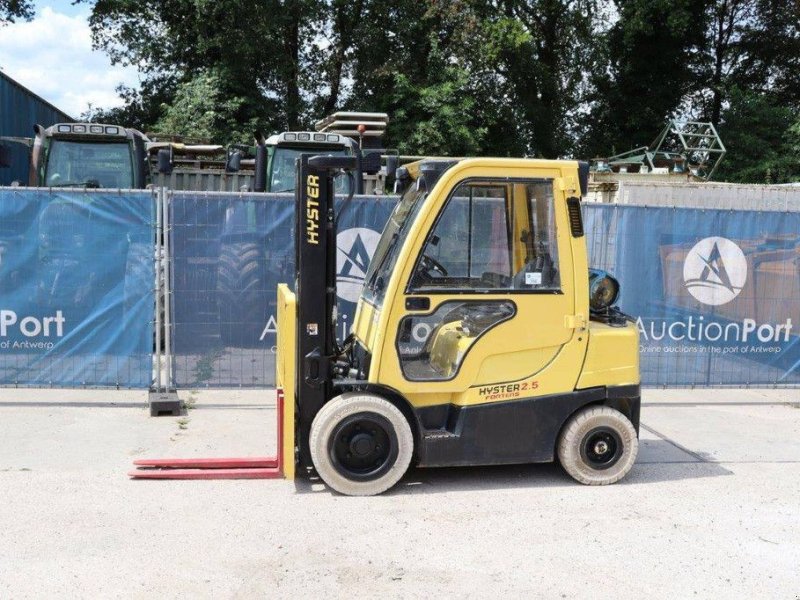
[(88, 155)]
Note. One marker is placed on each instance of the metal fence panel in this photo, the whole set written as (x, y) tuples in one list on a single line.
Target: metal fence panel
[(716, 292), (228, 254), (76, 287)]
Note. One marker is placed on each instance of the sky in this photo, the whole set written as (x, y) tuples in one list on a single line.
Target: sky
[(52, 56)]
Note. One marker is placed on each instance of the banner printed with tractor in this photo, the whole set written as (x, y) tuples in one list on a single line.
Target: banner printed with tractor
[(77, 284), (229, 253), (716, 293)]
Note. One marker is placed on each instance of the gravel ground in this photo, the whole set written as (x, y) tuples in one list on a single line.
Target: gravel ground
[(711, 510)]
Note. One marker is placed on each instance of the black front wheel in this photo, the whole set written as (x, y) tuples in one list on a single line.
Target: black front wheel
[(361, 445)]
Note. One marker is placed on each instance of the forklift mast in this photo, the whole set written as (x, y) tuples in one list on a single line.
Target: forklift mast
[(315, 277)]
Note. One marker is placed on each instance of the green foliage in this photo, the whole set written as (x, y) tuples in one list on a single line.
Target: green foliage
[(439, 125), (551, 78), (200, 108), (649, 59), (11, 10), (761, 138), (142, 108)]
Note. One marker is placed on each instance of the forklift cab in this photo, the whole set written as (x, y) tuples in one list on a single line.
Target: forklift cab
[(487, 264), (473, 343)]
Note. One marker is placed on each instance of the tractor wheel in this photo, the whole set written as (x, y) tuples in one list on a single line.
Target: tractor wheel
[(598, 446), (361, 445), (243, 295)]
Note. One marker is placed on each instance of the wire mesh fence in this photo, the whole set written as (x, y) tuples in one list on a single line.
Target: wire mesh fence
[(228, 254)]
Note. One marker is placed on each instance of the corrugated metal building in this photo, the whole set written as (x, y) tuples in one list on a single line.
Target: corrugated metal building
[(20, 110)]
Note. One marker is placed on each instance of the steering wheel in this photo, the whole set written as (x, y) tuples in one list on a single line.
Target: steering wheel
[(431, 264)]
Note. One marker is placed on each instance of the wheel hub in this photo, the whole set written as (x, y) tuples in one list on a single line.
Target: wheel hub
[(363, 446), (601, 448)]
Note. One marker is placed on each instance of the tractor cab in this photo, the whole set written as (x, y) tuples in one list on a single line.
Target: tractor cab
[(90, 155), (341, 134), (285, 148)]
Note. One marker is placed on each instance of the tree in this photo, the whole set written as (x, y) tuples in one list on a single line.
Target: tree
[(11, 10), (758, 134), (200, 109), (469, 76), (649, 65), (771, 41), (748, 79), (750, 45), (264, 53), (412, 65), (142, 107), (548, 68), (724, 56), (547, 78)]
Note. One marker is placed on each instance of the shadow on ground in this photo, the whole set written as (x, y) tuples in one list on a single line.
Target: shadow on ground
[(658, 462)]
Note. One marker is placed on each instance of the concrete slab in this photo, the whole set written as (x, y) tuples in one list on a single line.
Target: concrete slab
[(681, 525), (95, 430), (727, 425)]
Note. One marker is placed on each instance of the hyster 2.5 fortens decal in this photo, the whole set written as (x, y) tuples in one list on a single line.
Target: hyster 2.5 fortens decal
[(507, 390)]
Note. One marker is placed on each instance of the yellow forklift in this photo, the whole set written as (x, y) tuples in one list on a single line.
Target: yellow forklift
[(481, 336)]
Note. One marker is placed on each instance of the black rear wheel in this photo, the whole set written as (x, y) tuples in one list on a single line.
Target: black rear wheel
[(598, 446)]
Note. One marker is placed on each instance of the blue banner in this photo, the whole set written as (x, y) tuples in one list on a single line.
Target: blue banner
[(716, 293), (77, 286)]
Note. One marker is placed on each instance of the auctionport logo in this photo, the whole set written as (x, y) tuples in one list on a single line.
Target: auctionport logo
[(354, 249), (715, 271)]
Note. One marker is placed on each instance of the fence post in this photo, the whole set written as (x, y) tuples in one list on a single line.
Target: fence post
[(159, 289), (166, 402), (166, 196)]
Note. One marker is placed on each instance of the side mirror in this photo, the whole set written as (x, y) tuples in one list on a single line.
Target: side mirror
[(5, 157), (234, 162), (164, 161), (401, 180), (391, 167), (583, 177), (371, 163), (260, 177)]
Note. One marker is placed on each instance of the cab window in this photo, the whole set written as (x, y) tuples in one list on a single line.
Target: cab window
[(492, 236)]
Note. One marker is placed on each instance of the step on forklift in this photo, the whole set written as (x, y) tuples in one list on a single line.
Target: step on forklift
[(480, 338)]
